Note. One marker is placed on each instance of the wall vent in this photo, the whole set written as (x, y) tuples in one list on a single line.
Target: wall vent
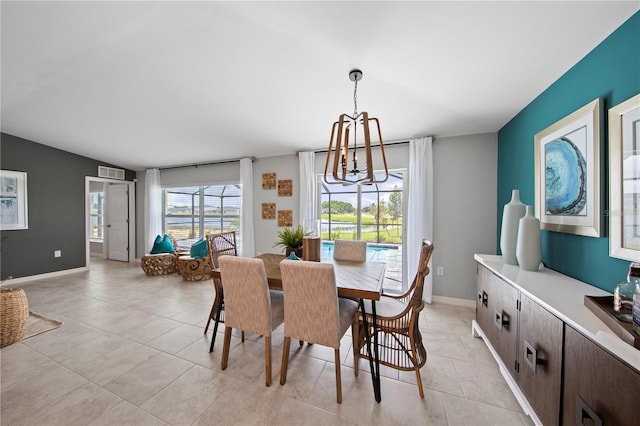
[(110, 172)]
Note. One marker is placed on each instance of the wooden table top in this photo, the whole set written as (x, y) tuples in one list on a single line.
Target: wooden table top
[(360, 280)]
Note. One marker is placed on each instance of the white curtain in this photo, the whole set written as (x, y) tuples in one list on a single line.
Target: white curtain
[(152, 207), (308, 188), (419, 206), (247, 246)]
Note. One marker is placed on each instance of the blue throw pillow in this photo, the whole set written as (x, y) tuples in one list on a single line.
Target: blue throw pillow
[(199, 249), (162, 245)]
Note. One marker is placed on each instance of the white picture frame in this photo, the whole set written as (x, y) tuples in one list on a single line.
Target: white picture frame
[(624, 180), (14, 212), (567, 173)]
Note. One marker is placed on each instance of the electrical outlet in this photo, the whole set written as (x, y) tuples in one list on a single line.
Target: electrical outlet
[(57, 253), (440, 270)]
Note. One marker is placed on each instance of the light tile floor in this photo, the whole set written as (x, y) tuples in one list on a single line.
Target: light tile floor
[(132, 351)]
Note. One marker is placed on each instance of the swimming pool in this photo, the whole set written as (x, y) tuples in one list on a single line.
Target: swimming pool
[(375, 252)]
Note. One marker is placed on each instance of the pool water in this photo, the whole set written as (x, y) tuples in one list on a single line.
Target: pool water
[(375, 252)]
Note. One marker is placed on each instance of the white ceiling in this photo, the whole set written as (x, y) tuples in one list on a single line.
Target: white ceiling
[(157, 84)]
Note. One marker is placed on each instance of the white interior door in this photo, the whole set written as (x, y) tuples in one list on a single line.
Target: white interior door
[(118, 221)]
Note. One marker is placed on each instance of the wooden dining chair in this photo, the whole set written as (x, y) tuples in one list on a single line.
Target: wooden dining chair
[(352, 250), (313, 312), (221, 244), (249, 304), (399, 340)]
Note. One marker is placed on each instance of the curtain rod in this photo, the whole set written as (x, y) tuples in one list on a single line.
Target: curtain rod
[(233, 160), (372, 146)]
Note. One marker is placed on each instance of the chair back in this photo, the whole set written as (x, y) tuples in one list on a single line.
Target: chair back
[(355, 251), (423, 270), (311, 302), (247, 302), (223, 243)]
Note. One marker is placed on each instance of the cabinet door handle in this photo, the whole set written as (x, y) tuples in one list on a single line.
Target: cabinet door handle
[(585, 414), (501, 319), (485, 299), (530, 356)]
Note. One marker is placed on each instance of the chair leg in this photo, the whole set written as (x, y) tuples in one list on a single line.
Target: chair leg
[(215, 330), (285, 360), (338, 377), (355, 340), (242, 336), (267, 359), (225, 348), (419, 379)]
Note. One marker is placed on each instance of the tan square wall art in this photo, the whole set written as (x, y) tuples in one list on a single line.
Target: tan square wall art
[(268, 210), (285, 188), (268, 181), (285, 217)]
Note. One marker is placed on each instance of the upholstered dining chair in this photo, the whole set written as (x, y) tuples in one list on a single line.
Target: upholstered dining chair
[(399, 340), (313, 312), (355, 251), (249, 304)]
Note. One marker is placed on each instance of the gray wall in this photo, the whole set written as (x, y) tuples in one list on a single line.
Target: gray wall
[(465, 181), (56, 202)]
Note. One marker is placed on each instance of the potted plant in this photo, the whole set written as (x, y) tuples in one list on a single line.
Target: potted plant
[(291, 240)]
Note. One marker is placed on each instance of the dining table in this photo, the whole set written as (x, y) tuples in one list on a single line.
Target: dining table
[(356, 280)]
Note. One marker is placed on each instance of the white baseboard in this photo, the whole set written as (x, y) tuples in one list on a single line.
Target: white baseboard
[(476, 331), (454, 301), (43, 276)]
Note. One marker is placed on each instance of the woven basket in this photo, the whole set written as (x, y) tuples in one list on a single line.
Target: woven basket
[(15, 315)]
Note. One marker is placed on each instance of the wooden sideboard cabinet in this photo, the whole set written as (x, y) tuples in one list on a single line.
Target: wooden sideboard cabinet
[(562, 363)]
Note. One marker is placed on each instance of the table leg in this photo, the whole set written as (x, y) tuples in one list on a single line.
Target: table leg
[(374, 363)]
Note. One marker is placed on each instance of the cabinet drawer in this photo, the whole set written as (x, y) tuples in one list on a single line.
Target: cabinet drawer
[(598, 387)]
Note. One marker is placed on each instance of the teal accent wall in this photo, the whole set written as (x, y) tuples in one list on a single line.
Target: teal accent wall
[(611, 72)]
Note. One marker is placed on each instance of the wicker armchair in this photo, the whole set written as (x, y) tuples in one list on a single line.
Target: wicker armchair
[(220, 244), (355, 251), (399, 339), (161, 263), (249, 304), (313, 312)]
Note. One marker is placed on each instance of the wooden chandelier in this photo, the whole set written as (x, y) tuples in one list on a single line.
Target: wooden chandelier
[(342, 155)]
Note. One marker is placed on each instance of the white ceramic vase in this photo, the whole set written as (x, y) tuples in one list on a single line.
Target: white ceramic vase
[(529, 247), (511, 215)]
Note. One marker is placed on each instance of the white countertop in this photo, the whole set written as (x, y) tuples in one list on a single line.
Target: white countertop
[(563, 296)]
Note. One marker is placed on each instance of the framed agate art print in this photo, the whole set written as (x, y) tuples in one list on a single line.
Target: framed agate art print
[(624, 180), (567, 173)]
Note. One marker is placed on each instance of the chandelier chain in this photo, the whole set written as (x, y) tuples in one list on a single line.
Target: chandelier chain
[(355, 99)]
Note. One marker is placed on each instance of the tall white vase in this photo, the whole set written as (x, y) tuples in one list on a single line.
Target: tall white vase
[(511, 215), (529, 247)]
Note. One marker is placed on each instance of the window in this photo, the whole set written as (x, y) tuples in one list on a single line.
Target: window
[(190, 213), (96, 226), (372, 213)]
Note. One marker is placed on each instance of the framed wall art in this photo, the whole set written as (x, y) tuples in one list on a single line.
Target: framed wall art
[(567, 173), (13, 200), (624, 180)]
